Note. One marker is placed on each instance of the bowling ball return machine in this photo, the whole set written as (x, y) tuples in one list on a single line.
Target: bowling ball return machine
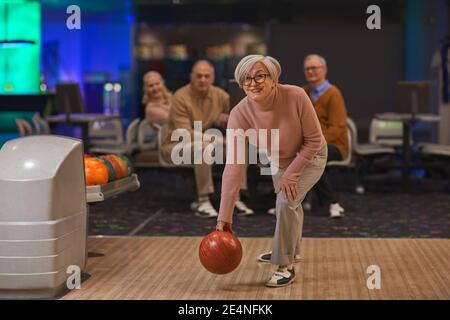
[(44, 205)]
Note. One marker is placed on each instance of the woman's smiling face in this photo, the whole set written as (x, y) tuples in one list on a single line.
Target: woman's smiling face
[(155, 87), (257, 83)]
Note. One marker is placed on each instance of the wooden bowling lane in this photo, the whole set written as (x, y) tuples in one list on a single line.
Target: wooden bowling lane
[(168, 268)]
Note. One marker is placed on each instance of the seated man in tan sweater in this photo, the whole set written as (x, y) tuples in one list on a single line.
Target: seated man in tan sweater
[(330, 108), (200, 101)]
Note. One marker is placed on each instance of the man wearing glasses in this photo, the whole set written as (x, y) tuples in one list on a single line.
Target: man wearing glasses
[(332, 113)]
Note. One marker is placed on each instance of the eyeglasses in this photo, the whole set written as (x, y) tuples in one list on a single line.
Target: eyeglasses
[(313, 69), (259, 78)]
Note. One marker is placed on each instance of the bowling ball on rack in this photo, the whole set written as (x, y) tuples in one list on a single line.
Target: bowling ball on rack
[(220, 252), (95, 171), (115, 165), (127, 162), (109, 167), (122, 164)]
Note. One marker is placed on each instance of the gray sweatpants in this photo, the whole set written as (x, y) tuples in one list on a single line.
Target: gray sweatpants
[(288, 230)]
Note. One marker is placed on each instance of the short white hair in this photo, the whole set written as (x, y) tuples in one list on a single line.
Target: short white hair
[(322, 60), (244, 66)]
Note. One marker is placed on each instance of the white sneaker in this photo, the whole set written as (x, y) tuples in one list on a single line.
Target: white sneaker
[(336, 211), (282, 277), (272, 211), (360, 189), (306, 206), (242, 209), (206, 210), (194, 205)]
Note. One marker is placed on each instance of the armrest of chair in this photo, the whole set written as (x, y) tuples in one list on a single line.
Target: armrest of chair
[(157, 126)]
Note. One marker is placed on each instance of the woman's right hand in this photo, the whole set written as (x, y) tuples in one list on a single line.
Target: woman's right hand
[(224, 226), (288, 187)]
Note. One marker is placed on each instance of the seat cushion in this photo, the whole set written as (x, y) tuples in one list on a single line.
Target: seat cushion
[(373, 149)]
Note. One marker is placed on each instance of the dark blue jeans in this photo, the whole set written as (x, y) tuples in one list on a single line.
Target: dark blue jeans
[(324, 189)]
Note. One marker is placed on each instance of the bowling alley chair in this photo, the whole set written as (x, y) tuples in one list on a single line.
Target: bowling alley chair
[(387, 133), (435, 149), (161, 160), (365, 154), (106, 133), (147, 136), (440, 154), (41, 126), (344, 163), (24, 128), (347, 161), (127, 147)]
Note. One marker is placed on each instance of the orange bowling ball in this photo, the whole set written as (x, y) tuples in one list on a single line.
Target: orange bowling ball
[(116, 166), (122, 164), (109, 168), (128, 163), (95, 172), (220, 252)]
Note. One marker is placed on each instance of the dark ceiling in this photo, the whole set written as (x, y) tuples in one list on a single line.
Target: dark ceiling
[(207, 11)]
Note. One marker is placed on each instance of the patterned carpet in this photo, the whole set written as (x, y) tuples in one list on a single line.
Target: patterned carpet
[(161, 208)]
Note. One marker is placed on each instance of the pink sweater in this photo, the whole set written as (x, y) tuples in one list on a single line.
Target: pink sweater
[(289, 109)]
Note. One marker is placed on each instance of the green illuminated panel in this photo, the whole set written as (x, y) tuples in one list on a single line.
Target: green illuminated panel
[(20, 64)]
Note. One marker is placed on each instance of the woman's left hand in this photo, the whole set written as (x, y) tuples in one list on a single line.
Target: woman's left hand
[(288, 187)]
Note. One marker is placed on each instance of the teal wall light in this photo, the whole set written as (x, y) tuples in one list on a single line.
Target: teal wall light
[(20, 42)]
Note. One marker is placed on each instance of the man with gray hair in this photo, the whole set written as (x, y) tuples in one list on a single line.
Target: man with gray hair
[(332, 113), (200, 101)]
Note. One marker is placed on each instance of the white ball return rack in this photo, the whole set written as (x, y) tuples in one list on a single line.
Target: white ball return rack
[(44, 214)]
